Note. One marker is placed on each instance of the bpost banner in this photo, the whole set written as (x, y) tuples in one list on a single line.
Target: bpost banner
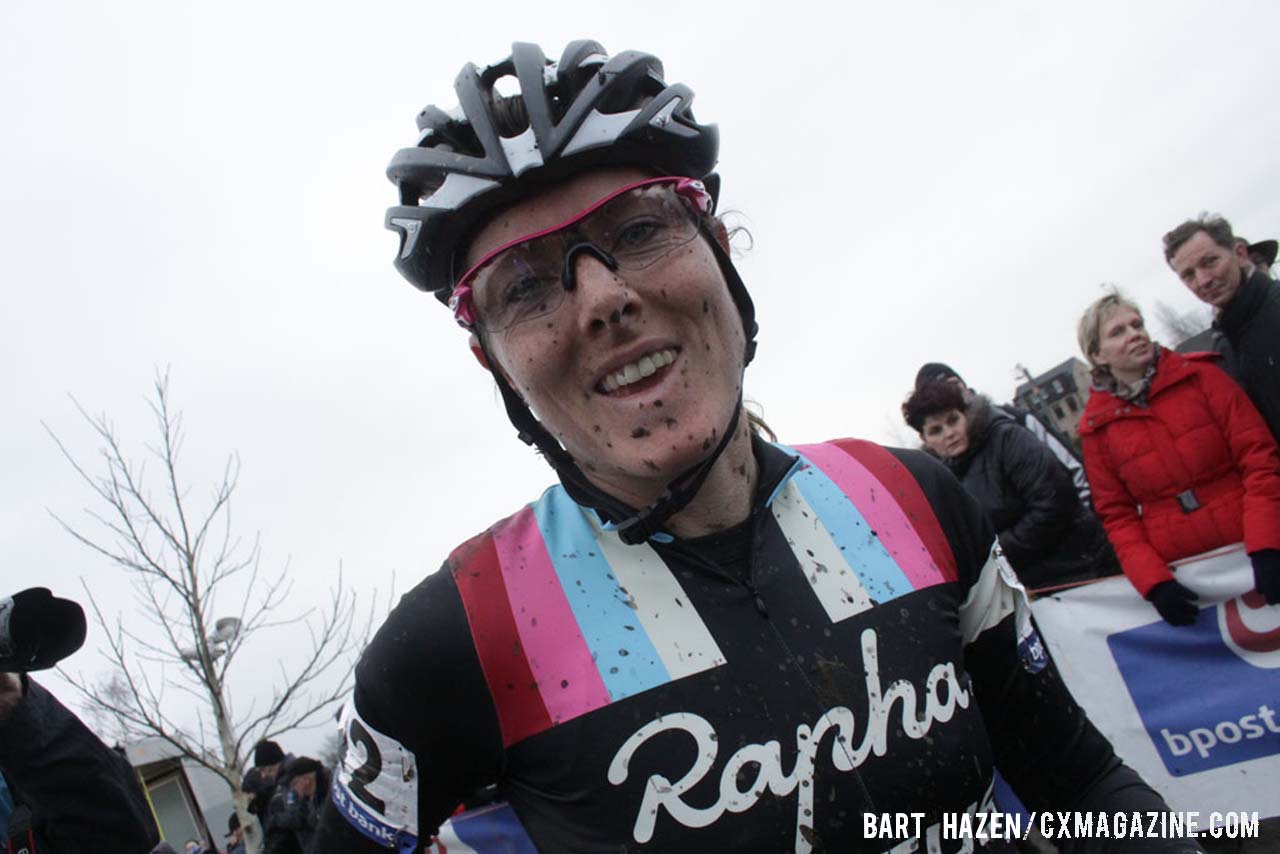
[(1195, 709)]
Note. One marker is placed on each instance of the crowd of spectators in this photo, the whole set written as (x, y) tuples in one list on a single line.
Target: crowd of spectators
[(1177, 451)]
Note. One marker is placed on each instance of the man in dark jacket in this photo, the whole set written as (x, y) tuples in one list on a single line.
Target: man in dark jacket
[(79, 791), (1209, 260), (270, 765)]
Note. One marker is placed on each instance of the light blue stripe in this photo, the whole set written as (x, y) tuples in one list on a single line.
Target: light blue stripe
[(624, 655), (880, 575)]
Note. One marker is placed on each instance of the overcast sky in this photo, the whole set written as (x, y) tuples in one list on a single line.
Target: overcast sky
[(201, 186)]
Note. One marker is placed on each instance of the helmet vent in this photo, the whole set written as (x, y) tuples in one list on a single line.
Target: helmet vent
[(507, 86)]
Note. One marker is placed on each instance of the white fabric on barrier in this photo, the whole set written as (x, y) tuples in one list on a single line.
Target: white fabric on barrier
[(1195, 709)]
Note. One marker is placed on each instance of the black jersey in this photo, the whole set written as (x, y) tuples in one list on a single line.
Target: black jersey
[(872, 653)]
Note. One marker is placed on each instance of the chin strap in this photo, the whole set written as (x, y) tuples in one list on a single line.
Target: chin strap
[(643, 524), (634, 526)]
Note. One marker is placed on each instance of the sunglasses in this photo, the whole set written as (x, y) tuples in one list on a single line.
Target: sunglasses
[(630, 229)]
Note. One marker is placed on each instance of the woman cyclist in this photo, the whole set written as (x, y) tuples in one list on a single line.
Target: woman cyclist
[(696, 640)]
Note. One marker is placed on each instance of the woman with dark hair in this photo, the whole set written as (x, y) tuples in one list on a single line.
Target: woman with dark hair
[(295, 807), (1049, 537), (1179, 459), (697, 640)]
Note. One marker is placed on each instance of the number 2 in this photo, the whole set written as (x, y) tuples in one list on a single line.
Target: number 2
[(369, 771)]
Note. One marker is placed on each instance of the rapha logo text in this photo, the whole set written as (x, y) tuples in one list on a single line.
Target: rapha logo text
[(942, 694)]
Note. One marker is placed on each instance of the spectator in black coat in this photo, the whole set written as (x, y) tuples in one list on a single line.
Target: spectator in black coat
[(1044, 432), (269, 763), (1049, 537), (295, 807), (82, 794), (1216, 267)]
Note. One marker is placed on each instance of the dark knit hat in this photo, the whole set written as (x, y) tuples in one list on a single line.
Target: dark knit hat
[(267, 753), (932, 372), (303, 765)]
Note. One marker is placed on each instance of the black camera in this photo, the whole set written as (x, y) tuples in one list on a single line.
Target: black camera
[(37, 630)]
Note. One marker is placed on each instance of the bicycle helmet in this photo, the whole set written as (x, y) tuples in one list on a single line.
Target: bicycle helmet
[(587, 110)]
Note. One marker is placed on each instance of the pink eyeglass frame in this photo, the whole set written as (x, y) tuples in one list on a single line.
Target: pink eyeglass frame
[(693, 191)]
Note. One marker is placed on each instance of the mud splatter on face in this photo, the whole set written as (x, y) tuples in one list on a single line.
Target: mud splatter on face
[(639, 433)]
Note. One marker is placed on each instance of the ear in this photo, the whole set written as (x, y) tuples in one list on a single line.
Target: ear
[(478, 352), (1242, 252)]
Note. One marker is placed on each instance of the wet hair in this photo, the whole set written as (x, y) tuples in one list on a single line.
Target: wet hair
[(755, 420), (931, 399), (1089, 331), (1218, 229)]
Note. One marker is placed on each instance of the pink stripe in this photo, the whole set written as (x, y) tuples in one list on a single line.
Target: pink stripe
[(558, 656), (885, 516)]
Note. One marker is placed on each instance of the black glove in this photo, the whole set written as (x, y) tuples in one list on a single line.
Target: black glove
[(1266, 574), (1176, 604)]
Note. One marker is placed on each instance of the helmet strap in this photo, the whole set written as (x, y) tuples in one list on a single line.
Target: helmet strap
[(633, 526)]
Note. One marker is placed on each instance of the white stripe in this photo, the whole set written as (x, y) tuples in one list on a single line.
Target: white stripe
[(456, 190), (521, 151), (598, 129), (681, 638), (991, 598), (833, 581), (447, 840)]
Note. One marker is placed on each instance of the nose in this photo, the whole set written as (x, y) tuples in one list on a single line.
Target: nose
[(1203, 277), (602, 298)]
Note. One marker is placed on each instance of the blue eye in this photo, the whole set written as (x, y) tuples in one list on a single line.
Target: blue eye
[(637, 234)]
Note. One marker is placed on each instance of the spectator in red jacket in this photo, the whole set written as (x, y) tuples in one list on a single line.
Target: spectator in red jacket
[(1179, 459)]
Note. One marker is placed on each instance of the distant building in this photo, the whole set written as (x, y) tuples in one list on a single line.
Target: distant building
[(1057, 397), (188, 800), (1199, 341)]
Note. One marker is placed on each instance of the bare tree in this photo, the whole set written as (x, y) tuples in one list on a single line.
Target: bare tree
[(185, 565), (1180, 327)]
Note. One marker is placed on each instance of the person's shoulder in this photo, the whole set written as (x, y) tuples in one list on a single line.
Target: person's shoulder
[(476, 553), (1196, 359), (897, 468), (1101, 407), (432, 615), (1207, 367), (932, 500)]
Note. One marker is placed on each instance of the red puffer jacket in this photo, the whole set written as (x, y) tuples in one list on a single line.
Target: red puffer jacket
[(1198, 432)]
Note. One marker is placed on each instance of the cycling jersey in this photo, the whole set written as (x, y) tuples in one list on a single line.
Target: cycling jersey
[(868, 652)]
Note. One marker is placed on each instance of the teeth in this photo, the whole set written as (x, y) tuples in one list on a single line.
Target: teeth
[(646, 366)]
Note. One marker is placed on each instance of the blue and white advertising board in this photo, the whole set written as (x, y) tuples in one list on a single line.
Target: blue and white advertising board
[(1195, 709)]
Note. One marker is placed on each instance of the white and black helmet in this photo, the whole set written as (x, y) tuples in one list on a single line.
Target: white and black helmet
[(588, 109)]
